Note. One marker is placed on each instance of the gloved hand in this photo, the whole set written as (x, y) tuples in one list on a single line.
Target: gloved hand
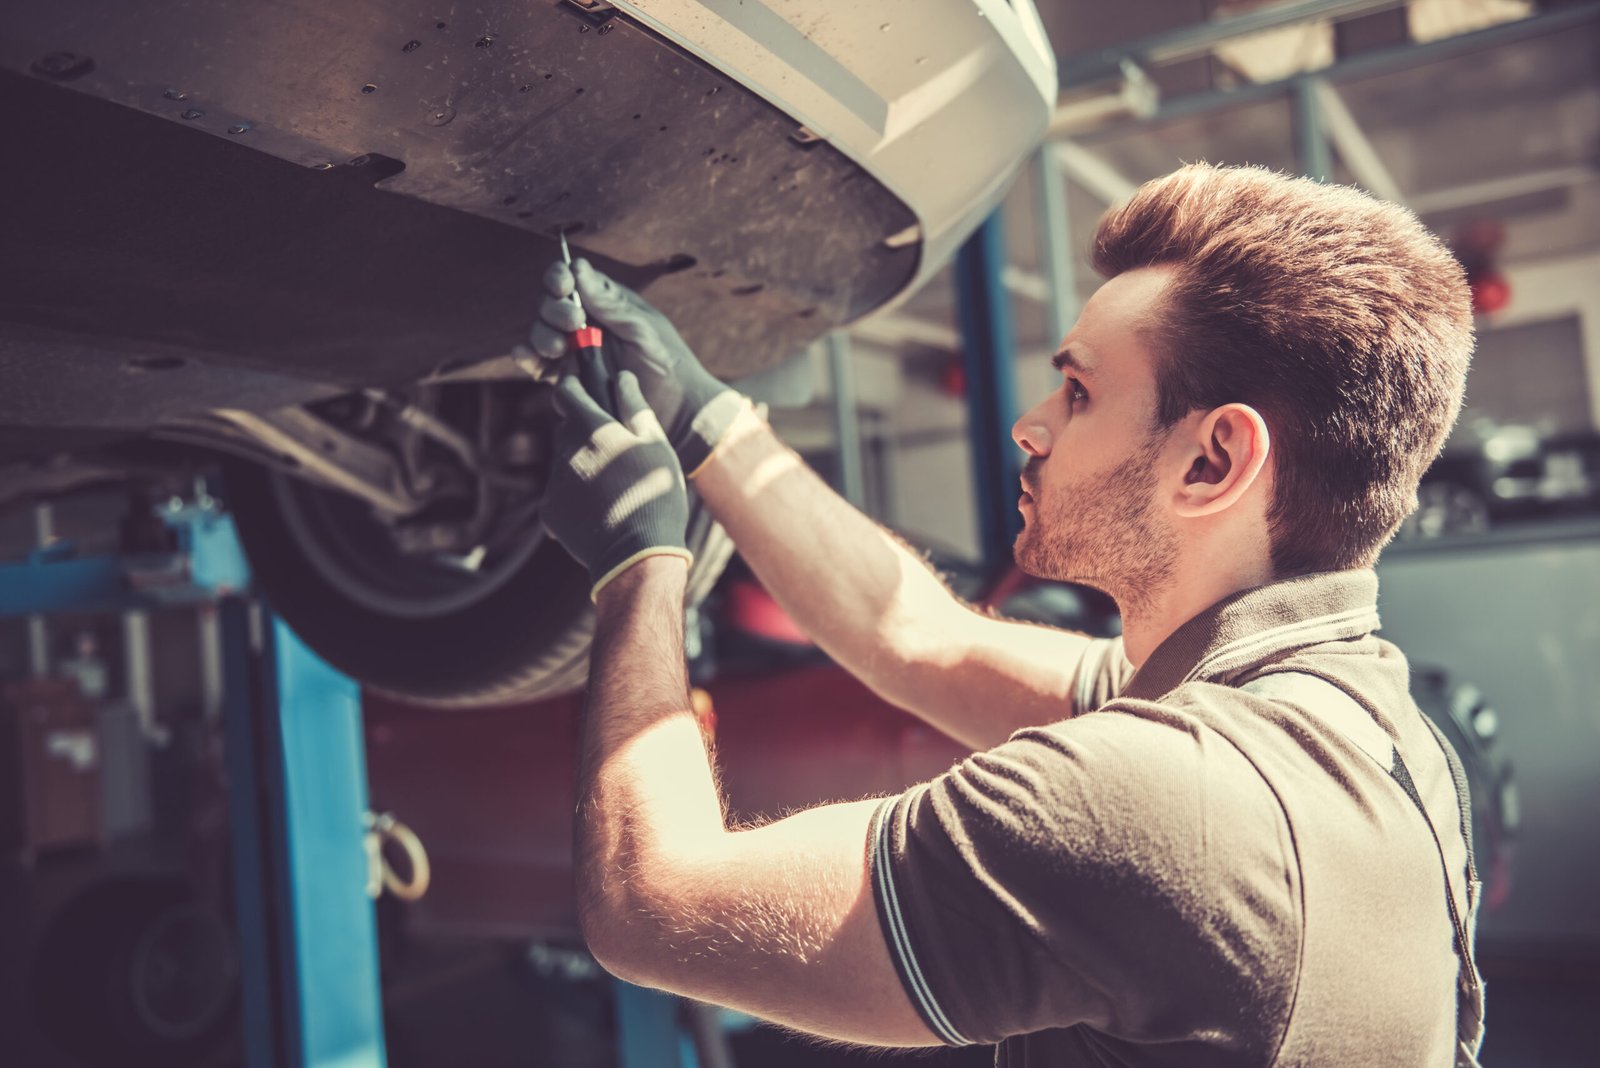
[(694, 407), (616, 494)]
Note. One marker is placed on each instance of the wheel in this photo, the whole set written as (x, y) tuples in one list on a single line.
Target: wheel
[(136, 972), (427, 628), (1472, 728)]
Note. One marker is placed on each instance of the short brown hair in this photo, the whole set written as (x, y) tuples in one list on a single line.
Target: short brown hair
[(1337, 316)]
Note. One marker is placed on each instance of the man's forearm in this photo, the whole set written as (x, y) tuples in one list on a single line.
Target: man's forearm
[(874, 605), (645, 783), (861, 594)]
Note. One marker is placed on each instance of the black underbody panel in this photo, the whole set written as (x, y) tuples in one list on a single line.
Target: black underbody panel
[(247, 204)]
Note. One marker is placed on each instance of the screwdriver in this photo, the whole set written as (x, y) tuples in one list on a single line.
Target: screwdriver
[(585, 339)]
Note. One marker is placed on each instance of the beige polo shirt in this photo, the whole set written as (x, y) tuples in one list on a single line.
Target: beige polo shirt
[(1185, 872)]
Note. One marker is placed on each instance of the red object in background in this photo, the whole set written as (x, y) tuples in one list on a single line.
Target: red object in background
[(491, 791), (1490, 293), (953, 379), (1477, 245), (748, 606)]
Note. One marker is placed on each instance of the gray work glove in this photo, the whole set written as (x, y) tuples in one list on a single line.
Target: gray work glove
[(616, 493), (694, 407)]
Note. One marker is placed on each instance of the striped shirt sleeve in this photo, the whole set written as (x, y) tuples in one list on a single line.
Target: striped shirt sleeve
[(891, 918), (1102, 673), (1052, 881)]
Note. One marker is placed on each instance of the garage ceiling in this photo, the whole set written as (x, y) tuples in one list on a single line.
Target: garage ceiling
[(1508, 131)]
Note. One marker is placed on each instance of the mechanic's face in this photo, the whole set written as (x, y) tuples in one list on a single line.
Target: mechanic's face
[(1090, 511)]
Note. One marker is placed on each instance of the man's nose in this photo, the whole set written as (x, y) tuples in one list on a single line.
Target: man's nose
[(1031, 435)]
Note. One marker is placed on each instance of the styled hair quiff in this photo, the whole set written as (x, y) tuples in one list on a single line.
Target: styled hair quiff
[(1338, 317)]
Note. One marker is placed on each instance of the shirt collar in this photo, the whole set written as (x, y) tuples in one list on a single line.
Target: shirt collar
[(1258, 625)]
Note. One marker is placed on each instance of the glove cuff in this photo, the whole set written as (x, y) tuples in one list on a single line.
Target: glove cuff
[(654, 550), (706, 430)]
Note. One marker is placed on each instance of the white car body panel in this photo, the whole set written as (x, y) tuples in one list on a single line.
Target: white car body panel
[(940, 100)]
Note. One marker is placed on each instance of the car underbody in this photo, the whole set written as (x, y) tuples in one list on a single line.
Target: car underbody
[(307, 243)]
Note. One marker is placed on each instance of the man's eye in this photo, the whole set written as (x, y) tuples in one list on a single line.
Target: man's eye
[(1075, 391)]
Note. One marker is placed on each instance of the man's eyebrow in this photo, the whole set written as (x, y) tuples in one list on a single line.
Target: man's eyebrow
[(1067, 358)]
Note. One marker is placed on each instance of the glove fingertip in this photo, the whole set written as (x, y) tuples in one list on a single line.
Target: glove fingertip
[(593, 286), (546, 341), (630, 396), (558, 280)]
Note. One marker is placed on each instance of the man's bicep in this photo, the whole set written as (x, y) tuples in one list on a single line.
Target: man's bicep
[(778, 922)]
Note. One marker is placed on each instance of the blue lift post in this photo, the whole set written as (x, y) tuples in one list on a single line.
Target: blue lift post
[(989, 351), (297, 769), (297, 793)]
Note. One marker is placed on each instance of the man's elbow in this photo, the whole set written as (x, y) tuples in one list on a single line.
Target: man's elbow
[(622, 935), (604, 923)]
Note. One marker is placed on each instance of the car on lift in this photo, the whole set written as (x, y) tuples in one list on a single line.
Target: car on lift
[(309, 240)]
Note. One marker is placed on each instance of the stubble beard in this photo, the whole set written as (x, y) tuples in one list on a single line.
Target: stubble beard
[(1103, 533)]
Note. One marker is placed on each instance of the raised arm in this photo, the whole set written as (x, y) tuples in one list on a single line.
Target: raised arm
[(874, 605), (864, 597)]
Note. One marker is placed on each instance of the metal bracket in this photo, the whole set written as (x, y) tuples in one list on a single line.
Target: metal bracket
[(308, 447)]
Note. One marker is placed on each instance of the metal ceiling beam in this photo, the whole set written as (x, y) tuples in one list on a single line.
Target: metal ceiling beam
[(1485, 192), (892, 331), (1352, 143), (1093, 173), (1310, 139), (1367, 65), (1188, 41), (1055, 225)]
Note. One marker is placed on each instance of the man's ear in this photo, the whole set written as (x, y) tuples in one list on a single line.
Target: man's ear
[(1226, 453)]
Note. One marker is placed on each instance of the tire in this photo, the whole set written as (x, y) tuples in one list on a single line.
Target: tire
[(519, 631), (135, 972)]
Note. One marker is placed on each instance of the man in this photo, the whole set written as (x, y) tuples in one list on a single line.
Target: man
[(1227, 838)]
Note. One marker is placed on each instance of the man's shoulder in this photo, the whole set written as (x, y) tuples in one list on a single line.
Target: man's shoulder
[(1160, 762)]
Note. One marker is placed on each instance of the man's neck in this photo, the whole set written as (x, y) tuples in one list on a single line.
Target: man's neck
[(1196, 586)]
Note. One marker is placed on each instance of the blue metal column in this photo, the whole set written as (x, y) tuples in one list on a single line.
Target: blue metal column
[(989, 351), (650, 1031), (247, 804), (297, 794), (297, 780), (332, 1002), (332, 990)]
